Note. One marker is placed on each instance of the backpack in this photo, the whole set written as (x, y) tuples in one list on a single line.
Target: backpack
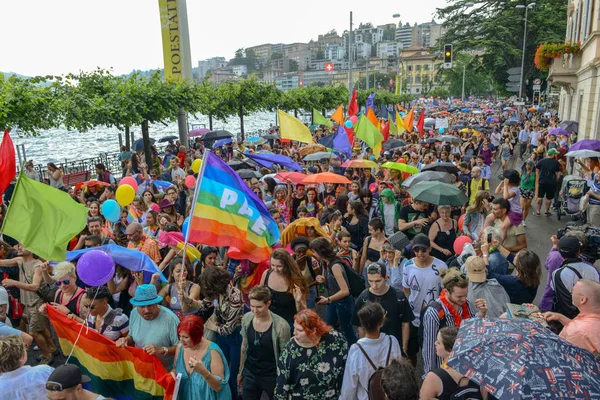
[(439, 310), (374, 388), (562, 301), (356, 283), (470, 391)]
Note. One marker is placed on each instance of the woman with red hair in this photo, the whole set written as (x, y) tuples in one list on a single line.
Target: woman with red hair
[(311, 366), (202, 365)]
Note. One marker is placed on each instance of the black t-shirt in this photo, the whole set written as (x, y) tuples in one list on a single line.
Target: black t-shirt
[(548, 168), (295, 204), (397, 307), (261, 355), (409, 214)]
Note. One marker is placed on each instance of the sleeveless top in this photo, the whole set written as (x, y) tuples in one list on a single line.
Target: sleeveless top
[(56, 183), (448, 384), (173, 300), (444, 239), (73, 304), (282, 303)]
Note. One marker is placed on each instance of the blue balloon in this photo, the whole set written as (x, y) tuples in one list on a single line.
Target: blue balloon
[(184, 227), (111, 210), (348, 124), (442, 130)]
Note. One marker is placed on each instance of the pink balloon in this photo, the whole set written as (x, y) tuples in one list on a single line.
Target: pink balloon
[(354, 119), (460, 242), (128, 180), (190, 181), (461, 221)]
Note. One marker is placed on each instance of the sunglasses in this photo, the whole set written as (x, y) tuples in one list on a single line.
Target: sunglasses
[(420, 250), (90, 306), (65, 282)]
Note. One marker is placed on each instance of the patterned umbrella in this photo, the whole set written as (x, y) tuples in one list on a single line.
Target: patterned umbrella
[(520, 359), (360, 163)]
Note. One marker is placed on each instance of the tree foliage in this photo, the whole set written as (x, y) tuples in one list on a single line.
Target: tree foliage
[(496, 27)]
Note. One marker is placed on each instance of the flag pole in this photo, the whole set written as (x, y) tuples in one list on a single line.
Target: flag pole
[(10, 204), (194, 201)]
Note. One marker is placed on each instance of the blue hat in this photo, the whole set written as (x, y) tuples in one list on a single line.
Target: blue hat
[(145, 295)]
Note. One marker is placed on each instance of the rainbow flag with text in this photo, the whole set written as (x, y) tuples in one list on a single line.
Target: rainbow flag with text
[(122, 374), (228, 213)]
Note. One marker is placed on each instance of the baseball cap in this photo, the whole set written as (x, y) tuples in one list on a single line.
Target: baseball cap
[(377, 268), (65, 377), (421, 241), (476, 271), (552, 151), (569, 245)]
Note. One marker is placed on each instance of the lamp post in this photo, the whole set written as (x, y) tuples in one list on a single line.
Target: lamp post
[(522, 80), (350, 81), (399, 74)]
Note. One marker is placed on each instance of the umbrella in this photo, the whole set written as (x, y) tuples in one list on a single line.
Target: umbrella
[(558, 132), (532, 109), (400, 167), (429, 140), (490, 111), (476, 127), (298, 228), (583, 153), (312, 148), (295, 177), (393, 144), (198, 132), (458, 127), (570, 126), (441, 167), (429, 121), (509, 109), (492, 119), (520, 359), (511, 122), (439, 193), (247, 173), (167, 138), (215, 135), (589, 144), (360, 163), (237, 165), (465, 110), (326, 177), (319, 156), (270, 136), (428, 176), (138, 145), (221, 142), (449, 139)]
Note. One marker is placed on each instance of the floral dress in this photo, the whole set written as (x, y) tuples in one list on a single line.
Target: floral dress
[(312, 373)]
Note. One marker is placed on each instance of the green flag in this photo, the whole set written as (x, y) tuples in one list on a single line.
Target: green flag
[(393, 128), (367, 132), (43, 219), (320, 119)]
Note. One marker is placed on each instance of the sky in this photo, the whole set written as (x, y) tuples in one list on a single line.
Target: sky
[(62, 36)]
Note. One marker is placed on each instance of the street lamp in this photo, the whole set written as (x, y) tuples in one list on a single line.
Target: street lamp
[(522, 80), (399, 74)]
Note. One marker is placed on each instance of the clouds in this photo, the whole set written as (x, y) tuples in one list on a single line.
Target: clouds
[(57, 37)]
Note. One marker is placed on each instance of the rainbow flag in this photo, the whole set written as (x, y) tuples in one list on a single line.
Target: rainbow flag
[(123, 374), (134, 214), (228, 213)]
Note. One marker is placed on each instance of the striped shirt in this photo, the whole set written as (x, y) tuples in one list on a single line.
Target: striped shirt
[(431, 326), (118, 327)]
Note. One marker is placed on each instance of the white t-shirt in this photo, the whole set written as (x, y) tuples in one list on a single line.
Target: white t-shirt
[(177, 173), (425, 284), (496, 139), (535, 138), (570, 278)]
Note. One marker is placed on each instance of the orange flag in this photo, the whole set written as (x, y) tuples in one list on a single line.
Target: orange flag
[(409, 120), (372, 117), (338, 116)]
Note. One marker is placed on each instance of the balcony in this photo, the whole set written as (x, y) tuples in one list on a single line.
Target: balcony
[(563, 70)]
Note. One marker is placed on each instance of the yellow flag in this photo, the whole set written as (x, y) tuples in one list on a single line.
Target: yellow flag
[(292, 128), (377, 149), (338, 115), (373, 118), (400, 124)]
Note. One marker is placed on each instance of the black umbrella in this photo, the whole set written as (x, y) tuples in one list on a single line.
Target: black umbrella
[(448, 139), (167, 138), (570, 126), (237, 165), (270, 136), (429, 140), (394, 144), (138, 145), (511, 122), (476, 127), (441, 167), (215, 135), (459, 126), (248, 174)]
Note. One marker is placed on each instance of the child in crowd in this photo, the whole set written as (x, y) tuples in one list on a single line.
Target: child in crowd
[(509, 189), (345, 252)]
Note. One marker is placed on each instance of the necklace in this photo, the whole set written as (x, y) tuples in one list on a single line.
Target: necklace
[(457, 318), (257, 337)]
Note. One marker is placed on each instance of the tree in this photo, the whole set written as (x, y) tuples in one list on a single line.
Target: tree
[(426, 83), (294, 66), (376, 80), (276, 56), (477, 79), (320, 55), (496, 26)]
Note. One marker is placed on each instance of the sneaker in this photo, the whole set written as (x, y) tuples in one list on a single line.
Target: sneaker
[(537, 214), (524, 224), (547, 214)]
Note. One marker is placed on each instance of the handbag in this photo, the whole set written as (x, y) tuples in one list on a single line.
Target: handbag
[(16, 311), (45, 292)]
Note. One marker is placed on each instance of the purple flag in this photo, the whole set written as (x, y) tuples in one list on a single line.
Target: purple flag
[(370, 102), (341, 142), (267, 161)]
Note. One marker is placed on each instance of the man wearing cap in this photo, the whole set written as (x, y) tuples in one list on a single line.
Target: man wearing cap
[(139, 241), (65, 383), (482, 288), (546, 181), (421, 283), (152, 326), (564, 279), (399, 314)]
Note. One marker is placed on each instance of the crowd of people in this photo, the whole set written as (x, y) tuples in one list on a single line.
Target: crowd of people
[(365, 280)]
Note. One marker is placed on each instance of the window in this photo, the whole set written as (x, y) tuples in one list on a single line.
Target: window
[(426, 67), (410, 80), (409, 68), (418, 79), (418, 68)]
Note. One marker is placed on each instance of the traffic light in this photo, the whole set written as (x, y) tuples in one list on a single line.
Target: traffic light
[(447, 56)]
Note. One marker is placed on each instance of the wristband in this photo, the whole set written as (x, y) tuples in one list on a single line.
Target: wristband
[(165, 351)]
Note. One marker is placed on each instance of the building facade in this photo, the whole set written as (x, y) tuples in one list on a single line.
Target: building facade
[(578, 75), (298, 52), (287, 82), (210, 64), (262, 52), (239, 70), (388, 49), (420, 71)]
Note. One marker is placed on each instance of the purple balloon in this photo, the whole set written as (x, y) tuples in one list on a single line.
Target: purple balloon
[(95, 268)]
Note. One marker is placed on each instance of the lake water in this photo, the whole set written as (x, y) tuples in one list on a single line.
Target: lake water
[(58, 145)]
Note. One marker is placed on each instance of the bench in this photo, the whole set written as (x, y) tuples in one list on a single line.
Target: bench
[(75, 178)]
